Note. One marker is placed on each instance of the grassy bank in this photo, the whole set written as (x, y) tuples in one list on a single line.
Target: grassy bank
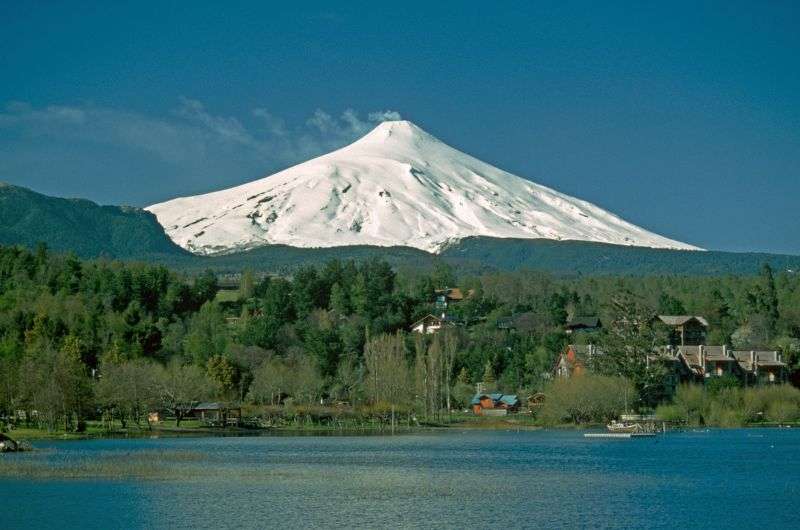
[(303, 425)]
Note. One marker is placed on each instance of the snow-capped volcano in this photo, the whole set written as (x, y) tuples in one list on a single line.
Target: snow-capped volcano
[(396, 186)]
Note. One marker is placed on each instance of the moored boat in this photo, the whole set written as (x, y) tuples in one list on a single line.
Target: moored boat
[(624, 427)]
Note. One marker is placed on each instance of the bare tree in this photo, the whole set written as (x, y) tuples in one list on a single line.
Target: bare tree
[(180, 387), (388, 375)]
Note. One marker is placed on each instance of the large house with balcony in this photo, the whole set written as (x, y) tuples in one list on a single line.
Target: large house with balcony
[(691, 363)]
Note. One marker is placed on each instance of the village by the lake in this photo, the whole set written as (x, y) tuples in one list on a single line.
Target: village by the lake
[(472, 361), (415, 265)]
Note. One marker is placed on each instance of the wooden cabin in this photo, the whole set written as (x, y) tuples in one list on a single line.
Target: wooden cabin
[(217, 414), (445, 297), (573, 361), (684, 330), (494, 404)]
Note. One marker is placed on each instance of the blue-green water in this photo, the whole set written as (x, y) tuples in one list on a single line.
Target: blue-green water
[(544, 479)]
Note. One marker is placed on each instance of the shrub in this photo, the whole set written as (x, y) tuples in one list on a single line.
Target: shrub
[(586, 399), (729, 406), (783, 411), (691, 400), (715, 385), (671, 413), (725, 409)]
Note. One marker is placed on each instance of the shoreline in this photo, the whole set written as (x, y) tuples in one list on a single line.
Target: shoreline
[(36, 435)]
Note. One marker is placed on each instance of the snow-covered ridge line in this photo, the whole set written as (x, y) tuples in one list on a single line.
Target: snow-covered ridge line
[(396, 186)]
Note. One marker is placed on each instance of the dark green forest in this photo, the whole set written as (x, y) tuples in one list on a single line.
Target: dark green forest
[(80, 226), (86, 338)]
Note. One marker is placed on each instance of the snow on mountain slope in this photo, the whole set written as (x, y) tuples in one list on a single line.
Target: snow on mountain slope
[(398, 185)]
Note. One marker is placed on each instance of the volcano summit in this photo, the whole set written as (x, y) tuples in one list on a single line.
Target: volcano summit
[(396, 186)]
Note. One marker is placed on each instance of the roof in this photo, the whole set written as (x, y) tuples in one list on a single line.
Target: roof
[(442, 319), (496, 397), (425, 318), (583, 322), (509, 399), (212, 406), (680, 320), (455, 294), (583, 351), (762, 357)]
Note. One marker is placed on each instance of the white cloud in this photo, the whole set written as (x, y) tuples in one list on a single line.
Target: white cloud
[(192, 131), (384, 115)]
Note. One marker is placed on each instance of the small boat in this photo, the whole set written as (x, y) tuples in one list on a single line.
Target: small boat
[(7, 445), (624, 427)]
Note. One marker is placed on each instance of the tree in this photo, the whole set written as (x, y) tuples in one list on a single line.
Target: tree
[(340, 305), (223, 373), (207, 333), (128, 390), (180, 387), (387, 378), (305, 383), (57, 386), (348, 383), (628, 346), (450, 339), (585, 399), (247, 285), (488, 376), (669, 305), (205, 288), (271, 381), (769, 299), (463, 390)]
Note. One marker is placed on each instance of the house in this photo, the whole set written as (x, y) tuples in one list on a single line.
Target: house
[(433, 324), (761, 367), (749, 366), (217, 414), (445, 297), (684, 330), (676, 369), (573, 361), (494, 404), (709, 361), (583, 324)]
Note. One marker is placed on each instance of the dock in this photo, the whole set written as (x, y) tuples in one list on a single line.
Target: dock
[(619, 435)]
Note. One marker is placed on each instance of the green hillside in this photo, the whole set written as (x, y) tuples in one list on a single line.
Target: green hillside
[(581, 257), (80, 226)]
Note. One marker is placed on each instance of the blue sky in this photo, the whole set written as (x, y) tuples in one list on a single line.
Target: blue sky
[(683, 118)]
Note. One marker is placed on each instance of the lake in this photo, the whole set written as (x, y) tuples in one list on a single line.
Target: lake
[(746, 478)]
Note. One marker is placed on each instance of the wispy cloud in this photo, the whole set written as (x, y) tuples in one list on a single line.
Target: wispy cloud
[(195, 143)]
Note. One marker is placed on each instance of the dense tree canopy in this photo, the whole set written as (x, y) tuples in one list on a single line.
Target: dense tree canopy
[(84, 338)]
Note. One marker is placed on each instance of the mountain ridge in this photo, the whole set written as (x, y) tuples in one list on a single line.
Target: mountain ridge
[(127, 233), (80, 226)]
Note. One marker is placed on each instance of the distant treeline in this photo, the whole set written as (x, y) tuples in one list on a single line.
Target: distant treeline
[(82, 339)]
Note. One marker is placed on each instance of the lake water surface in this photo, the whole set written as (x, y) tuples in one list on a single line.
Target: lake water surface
[(467, 479)]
